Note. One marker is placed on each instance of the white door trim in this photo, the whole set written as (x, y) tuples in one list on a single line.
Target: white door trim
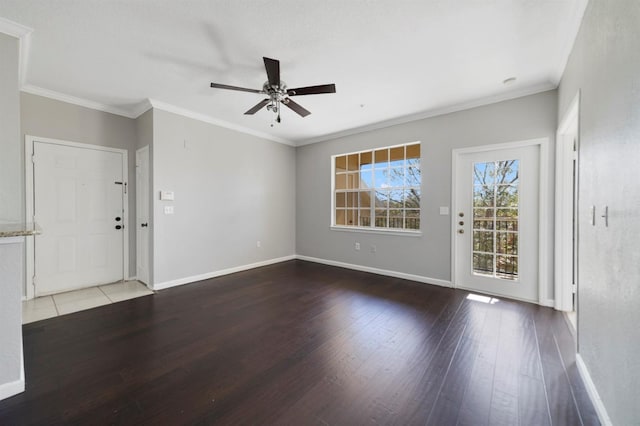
[(544, 248), (29, 189), (564, 214), (142, 151)]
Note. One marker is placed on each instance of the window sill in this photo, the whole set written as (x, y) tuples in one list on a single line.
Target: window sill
[(376, 231)]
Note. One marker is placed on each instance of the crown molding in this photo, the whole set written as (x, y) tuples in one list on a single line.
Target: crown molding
[(23, 34), (141, 108), (40, 91), (532, 90), (215, 121)]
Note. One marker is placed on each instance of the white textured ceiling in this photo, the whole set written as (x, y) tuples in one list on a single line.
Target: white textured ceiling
[(389, 59)]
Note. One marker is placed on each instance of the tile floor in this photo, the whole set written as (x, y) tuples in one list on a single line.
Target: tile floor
[(79, 300)]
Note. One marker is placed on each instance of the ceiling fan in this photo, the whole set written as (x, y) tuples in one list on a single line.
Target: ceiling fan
[(278, 92)]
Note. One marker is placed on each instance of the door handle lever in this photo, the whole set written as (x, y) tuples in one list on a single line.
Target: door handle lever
[(144, 225)]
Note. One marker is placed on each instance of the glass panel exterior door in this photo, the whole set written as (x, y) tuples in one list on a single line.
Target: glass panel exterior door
[(496, 202)]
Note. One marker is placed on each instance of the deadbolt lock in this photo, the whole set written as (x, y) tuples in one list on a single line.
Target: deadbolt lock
[(461, 223), (461, 214), (460, 231)]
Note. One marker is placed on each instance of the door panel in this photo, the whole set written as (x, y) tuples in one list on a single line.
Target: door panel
[(76, 201), (496, 233)]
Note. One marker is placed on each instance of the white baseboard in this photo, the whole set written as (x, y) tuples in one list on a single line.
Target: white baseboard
[(548, 302), (133, 278), (395, 274), (593, 392), (206, 276)]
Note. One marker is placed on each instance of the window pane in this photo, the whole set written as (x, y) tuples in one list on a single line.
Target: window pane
[(413, 151), (397, 156), (365, 217), (483, 173), (396, 218), (483, 224), (480, 212), (381, 218), (341, 163), (341, 199), (396, 177), (352, 199), (507, 267), (396, 199), (412, 219), (365, 199), (341, 217), (366, 160), (381, 178), (507, 172), (507, 196), (507, 243), (341, 181), (353, 162), (382, 199), (366, 179), (381, 158), (353, 180), (483, 263), (412, 198), (483, 196), (412, 176), (483, 241), (352, 217)]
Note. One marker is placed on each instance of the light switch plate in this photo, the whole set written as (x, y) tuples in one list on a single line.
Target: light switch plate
[(166, 195), (444, 211), (168, 209)]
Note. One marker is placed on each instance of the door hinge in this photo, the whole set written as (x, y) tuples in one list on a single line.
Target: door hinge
[(574, 288), (33, 158), (33, 281)]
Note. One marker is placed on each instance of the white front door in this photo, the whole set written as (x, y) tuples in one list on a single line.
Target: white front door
[(496, 199), (78, 202), (142, 212)]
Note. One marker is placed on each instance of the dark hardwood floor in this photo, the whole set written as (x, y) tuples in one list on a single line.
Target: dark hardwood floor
[(299, 343)]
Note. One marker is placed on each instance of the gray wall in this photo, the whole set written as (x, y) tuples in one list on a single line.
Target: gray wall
[(50, 118), (11, 169), (231, 190), (605, 66), (11, 256), (429, 255)]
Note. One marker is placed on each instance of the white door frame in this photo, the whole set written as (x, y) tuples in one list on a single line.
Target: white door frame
[(544, 226), (145, 149), (564, 206), (29, 216)]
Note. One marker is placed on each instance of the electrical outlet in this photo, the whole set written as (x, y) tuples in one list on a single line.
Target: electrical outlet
[(357, 246), (258, 244), (373, 248)]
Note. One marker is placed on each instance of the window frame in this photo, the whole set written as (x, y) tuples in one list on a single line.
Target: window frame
[(373, 229)]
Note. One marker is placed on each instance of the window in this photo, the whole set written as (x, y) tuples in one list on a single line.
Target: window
[(378, 189)]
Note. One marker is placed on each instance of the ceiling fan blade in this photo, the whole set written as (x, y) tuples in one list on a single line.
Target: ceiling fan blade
[(297, 108), (241, 89), (273, 70), (258, 107), (312, 90)]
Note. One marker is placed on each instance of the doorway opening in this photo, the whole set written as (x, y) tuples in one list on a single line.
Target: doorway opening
[(566, 214)]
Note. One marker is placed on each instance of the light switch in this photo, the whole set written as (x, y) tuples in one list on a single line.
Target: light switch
[(166, 195), (444, 211), (168, 209)]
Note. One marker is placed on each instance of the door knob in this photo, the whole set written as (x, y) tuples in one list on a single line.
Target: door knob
[(461, 214), (144, 225), (461, 223), (118, 219), (460, 231), (118, 227)]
